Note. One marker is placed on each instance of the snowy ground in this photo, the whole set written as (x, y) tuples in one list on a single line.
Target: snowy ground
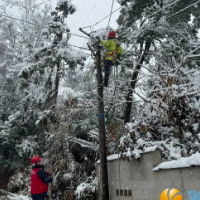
[(14, 197)]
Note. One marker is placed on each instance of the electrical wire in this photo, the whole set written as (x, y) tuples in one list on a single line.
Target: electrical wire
[(184, 9), (122, 6), (159, 23), (79, 47), (20, 33), (37, 25), (103, 18), (164, 8), (111, 12)]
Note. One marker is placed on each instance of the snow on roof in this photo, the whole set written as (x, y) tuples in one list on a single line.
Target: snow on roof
[(193, 160), (116, 156), (111, 157), (149, 149)]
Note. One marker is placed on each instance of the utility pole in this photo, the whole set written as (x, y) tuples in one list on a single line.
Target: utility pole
[(101, 122), (102, 132)]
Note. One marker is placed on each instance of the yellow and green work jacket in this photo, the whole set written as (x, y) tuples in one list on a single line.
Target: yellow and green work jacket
[(110, 48)]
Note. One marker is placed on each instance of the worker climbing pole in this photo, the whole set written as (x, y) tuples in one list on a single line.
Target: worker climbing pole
[(101, 123), (113, 51)]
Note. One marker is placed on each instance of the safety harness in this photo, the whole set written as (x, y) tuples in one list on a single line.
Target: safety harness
[(113, 53)]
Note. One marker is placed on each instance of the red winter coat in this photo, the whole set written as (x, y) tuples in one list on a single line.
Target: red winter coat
[(37, 185)]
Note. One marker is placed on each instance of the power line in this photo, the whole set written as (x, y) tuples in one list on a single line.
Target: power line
[(111, 12), (163, 8), (178, 12), (79, 47), (103, 18), (20, 33), (37, 25), (122, 6), (142, 31), (183, 9)]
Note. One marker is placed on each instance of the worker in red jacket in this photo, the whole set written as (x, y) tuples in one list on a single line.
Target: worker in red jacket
[(39, 179)]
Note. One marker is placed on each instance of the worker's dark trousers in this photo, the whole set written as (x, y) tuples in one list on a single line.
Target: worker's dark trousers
[(38, 198), (41, 196), (107, 65)]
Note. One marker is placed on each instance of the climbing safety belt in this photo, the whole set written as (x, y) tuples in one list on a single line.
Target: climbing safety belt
[(114, 53)]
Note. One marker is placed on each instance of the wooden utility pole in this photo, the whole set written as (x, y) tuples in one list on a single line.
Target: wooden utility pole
[(101, 122), (102, 132)]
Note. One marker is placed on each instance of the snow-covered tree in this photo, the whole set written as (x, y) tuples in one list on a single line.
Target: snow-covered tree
[(17, 121), (168, 83), (40, 58)]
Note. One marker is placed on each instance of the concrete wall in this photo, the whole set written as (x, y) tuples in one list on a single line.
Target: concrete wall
[(146, 184)]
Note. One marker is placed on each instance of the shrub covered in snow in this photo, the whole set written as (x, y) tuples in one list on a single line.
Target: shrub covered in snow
[(87, 190)]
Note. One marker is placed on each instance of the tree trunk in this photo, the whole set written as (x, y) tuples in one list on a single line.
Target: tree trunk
[(57, 78), (129, 98), (57, 83), (102, 132)]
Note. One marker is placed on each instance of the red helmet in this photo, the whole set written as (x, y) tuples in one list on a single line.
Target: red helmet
[(112, 34), (35, 159)]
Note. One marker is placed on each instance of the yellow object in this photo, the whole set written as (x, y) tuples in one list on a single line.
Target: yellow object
[(173, 194), (110, 46)]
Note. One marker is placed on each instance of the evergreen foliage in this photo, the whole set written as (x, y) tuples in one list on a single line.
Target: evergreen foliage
[(38, 60), (169, 89)]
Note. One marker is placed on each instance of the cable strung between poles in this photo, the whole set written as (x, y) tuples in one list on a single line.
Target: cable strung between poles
[(122, 6), (111, 12), (103, 18), (37, 25), (158, 23), (184, 9)]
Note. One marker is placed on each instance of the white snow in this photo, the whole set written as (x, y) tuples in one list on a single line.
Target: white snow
[(66, 93), (69, 3), (111, 157), (17, 197), (86, 188), (193, 160), (67, 176), (129, 126), (80, 189), (149, 149), (71, 53), (102, 33), (195, 127), (94, 133), (86, 144)]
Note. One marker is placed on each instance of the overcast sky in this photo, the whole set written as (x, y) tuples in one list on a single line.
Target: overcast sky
[(88, 13)]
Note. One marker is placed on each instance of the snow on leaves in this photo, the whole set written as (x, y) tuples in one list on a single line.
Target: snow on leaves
[(87, 189), (168, 81)]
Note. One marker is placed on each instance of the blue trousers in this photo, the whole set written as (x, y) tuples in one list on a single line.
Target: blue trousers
[(107, 65)]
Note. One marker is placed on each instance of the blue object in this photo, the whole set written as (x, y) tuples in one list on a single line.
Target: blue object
[(101, 115)]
